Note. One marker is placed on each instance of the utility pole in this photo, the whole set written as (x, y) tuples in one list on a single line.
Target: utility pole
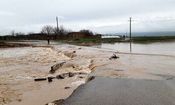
[(57, 25), (130, 37)]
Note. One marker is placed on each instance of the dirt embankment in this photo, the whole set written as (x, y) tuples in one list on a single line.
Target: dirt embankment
[(12, 45)]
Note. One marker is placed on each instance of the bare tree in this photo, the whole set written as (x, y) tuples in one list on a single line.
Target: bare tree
[(19, 33), (60, 30), (56, 31), (87, 32), (48, 30)]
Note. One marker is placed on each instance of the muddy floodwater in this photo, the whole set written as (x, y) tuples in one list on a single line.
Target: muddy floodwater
[(143, 77), (164, 48), (20, 66)]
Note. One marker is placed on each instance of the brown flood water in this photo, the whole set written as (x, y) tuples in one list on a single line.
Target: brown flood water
[(19, 66), (161, 48)]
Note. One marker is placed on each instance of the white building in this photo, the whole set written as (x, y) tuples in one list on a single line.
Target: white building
[(109, 36)]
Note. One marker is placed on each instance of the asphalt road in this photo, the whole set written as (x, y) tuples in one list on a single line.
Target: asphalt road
[(108, 91)]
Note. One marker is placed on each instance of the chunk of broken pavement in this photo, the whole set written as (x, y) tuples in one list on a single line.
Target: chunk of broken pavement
[(56, 102), (55, 67), (50, 79), (90, 78), (61, 76), (71, 74), (81, 77), (67, 88), (40, 79), (114, 56)]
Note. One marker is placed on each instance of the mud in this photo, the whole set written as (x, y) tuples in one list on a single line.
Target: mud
[(13, 45)]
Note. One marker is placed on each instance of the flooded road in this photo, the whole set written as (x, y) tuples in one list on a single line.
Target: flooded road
[(144, 77), (164, 48), (107, 91)]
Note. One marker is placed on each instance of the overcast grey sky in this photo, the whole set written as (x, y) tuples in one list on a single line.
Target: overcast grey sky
[(103, 16)]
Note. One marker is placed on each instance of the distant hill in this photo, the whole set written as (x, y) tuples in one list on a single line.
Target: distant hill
[(153, 34), (172, 33)]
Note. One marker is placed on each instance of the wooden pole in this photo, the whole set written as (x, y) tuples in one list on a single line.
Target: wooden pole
[(57, 24), (130, 36)]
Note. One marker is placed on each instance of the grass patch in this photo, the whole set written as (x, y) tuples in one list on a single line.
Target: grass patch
[(152, 39)]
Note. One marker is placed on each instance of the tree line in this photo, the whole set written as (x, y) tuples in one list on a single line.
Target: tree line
[(47, 32)]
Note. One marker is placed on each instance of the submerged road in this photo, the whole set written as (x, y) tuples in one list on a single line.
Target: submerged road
[(108, 91)]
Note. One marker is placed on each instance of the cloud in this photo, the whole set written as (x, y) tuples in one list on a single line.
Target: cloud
[(6, 13), (99, 15)]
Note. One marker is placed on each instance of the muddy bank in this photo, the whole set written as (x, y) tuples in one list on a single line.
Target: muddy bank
[(13, 45)]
